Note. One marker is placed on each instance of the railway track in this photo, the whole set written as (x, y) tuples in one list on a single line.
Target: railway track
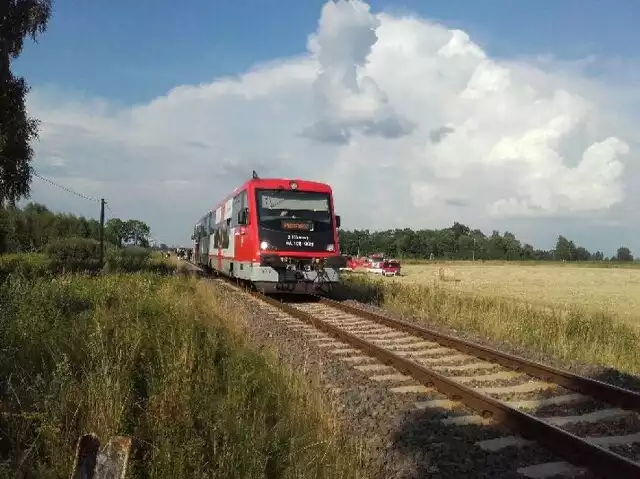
[(593, 425)]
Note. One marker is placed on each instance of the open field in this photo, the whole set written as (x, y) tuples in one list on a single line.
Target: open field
[(162, 359), (613, 291), (582, 315), (531, 263)]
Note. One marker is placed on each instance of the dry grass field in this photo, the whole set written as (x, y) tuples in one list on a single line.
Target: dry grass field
[(614, 291), (574, 313)]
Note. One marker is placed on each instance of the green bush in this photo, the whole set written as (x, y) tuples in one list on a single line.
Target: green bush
[(159, 265), (74, 255), (127, 259), (134, 259), (32, 265)]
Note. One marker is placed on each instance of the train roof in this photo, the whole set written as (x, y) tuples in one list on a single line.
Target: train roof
[(280, 183), (274, 183)]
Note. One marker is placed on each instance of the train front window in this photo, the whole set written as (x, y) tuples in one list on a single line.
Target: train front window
[(285, 209)]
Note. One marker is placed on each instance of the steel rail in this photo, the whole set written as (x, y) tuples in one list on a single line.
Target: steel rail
[(573, 448), (617, 396)]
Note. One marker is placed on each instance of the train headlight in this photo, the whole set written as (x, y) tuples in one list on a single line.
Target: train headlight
[(293, 185), (264, 245), (331, 247)]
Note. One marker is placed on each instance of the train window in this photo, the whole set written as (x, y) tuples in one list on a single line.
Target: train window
[(274, 206), (294, 201), (239, 203)]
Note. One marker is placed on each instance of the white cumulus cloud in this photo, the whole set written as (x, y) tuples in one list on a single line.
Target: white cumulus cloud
[(412, 123), (346, 98)]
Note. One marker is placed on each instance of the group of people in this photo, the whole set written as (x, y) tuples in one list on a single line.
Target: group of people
[(184, 253)]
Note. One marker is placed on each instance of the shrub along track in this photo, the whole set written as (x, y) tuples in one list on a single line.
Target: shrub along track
[(591, 424)]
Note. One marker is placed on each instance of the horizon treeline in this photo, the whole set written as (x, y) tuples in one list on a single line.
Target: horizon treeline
[(461, 242), (29, 229)]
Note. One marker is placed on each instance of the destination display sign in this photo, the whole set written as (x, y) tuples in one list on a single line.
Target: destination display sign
[(296, 225)]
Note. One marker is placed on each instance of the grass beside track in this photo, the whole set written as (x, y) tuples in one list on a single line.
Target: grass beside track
[(567, 333), (162, 359)]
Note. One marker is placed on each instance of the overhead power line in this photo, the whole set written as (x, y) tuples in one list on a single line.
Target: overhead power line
[(57, 185), (100, 201), (64, 188)]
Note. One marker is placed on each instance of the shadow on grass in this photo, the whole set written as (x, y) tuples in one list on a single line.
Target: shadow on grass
[(364, 292)]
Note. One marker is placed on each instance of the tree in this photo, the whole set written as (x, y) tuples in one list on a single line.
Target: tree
[(582, 254), (115, 231), (624, 254), (18, 19), (458, 229), (512, 247), (564, 248), (137, 232)]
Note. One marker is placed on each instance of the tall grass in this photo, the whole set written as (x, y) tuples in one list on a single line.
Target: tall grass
[(568, 334), (162, 359)]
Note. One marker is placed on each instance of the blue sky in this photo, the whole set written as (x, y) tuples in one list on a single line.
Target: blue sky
[(510, 168), (135, 51)]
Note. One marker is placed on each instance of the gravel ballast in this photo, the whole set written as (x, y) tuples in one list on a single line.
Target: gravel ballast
[(403, 441), (589, 370)]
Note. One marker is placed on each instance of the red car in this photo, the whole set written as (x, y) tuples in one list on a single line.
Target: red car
[(385, 267)]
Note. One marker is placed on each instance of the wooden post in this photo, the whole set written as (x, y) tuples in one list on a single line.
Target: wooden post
[(110, 462), (101, 232)]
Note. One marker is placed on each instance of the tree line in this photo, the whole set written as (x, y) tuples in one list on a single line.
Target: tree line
[(33, 227), (460, 242)]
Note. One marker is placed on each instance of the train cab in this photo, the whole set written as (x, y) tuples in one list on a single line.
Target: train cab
[(280, 235)]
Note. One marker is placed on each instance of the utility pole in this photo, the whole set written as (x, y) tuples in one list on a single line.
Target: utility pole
[(101, 232), (474, 249)]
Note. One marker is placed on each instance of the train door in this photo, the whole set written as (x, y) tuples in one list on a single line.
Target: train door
[(227, 234), (216, 239), (242, 240), (207, 234), (196, 243)]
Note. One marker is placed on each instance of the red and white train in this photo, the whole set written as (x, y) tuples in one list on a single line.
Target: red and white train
[(278, 234)]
